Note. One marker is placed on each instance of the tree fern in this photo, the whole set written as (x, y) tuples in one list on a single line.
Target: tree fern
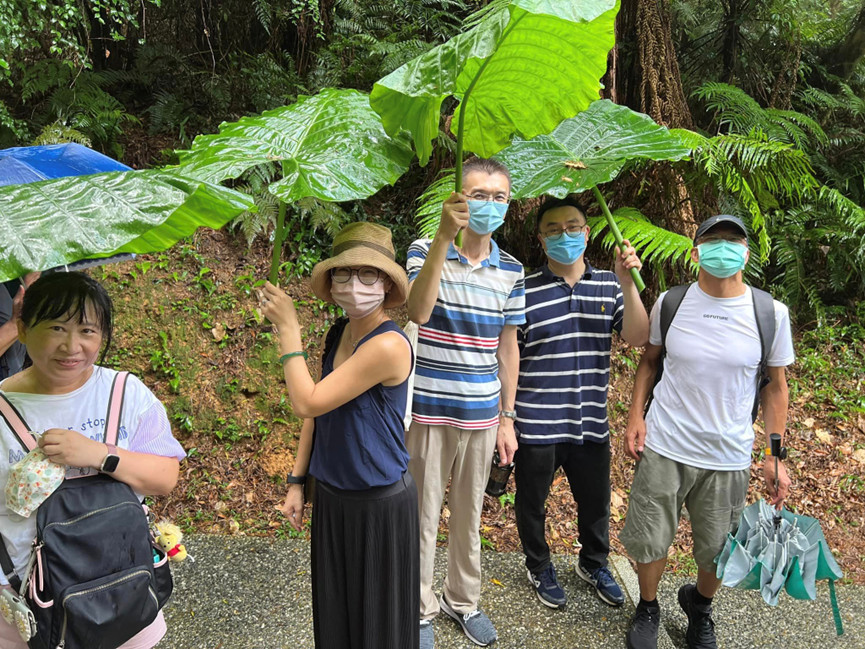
[(737, 112)]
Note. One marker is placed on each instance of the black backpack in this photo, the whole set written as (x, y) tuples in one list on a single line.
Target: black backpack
[(96, 577), (764, 313)]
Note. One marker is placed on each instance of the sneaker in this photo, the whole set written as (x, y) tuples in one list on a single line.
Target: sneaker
[(643, 633), (427, 638), (547, 587), (476, 625), (701, 628), (605, 585)]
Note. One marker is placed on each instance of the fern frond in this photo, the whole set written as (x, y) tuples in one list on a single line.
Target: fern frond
[(323, 214), (59, 133), (429, 211), (654, 244)]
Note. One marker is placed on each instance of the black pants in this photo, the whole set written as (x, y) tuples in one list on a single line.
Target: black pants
[(588, 470), (366, 567)]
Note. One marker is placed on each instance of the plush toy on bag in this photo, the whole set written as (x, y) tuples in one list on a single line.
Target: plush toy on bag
[(169, 538)]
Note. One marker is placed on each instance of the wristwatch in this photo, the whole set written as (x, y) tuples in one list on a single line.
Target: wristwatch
[(510, 414), (295, 479), (782, 454), (109, 464)]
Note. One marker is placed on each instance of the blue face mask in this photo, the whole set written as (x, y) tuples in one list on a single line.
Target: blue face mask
[(486, 216), (566, 248), (722, 258)]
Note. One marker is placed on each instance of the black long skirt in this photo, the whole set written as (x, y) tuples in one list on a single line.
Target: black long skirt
[(366, 567)]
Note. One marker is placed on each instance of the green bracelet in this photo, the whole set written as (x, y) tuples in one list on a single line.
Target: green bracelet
[(285, 357)]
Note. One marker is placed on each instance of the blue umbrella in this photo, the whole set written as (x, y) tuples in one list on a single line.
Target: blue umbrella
[(29, 164)]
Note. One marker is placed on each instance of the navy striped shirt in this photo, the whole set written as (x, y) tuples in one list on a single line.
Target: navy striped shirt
[(456, 377), (565, 357)]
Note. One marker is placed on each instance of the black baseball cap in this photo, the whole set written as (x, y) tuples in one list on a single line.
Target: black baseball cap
[(712, 221)]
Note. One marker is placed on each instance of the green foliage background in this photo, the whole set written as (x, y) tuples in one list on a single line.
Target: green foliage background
[(777, 97)]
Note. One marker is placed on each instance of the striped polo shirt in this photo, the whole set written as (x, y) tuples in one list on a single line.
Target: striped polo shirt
[(565, 357), (456, 377)]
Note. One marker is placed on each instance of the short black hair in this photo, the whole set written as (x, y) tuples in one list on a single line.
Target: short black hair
[(553, 203), (58, 295), (486, 165)]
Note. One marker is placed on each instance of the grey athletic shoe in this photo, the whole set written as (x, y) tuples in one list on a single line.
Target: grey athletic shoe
[(476, 625), (427, 637)]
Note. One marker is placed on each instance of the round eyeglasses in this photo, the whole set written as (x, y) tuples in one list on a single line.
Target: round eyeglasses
[(483, 196), (367, 275), (556, 233)]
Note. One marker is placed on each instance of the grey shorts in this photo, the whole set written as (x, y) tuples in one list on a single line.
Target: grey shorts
[(714, 499)]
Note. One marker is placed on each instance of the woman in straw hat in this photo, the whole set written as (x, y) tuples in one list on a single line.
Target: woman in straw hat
[(365, 563)]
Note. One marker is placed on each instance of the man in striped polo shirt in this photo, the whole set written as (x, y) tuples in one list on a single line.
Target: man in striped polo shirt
[(572, 310), (468, 302)]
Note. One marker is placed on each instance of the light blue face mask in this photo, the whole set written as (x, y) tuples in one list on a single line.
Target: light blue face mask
[(566, 248), (722, 258), (486, 216)]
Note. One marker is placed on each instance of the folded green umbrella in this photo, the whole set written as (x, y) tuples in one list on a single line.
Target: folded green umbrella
[(788, 554)]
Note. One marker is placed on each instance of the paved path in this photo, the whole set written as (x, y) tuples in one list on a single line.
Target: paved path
[(252, 593)]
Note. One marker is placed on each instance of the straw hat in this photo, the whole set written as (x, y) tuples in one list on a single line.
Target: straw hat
[(362, 244)]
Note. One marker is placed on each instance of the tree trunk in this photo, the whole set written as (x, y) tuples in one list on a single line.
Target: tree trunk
[(644, 71), (644, 75)]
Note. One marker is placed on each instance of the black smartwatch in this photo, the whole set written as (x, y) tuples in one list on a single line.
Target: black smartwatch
[(295, 479), (109, 464)]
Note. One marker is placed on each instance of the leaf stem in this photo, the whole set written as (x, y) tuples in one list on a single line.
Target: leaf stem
[(278, 238), (458, 176), (617, 235)]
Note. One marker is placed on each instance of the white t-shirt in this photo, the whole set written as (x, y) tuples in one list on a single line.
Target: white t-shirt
[(144, 428), (701, 411)]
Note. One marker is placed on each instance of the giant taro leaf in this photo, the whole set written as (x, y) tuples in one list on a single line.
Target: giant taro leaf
[(331, 146), (56, 222), (520, 71), (587, 150)]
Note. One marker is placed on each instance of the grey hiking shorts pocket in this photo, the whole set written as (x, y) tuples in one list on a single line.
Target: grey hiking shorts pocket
[(714, 499)]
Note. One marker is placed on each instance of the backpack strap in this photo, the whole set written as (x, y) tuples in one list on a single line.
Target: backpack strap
[(670, 305), (16, 424), (8, 567), (115, 408), (764, 313), (22, 433)]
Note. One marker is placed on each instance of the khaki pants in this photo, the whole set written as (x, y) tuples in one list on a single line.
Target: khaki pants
[(465, 456)]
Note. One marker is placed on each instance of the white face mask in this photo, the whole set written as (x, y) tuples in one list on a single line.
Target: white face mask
[(356, 298)]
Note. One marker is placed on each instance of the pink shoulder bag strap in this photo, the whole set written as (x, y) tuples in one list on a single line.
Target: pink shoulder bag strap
[(21, 430)]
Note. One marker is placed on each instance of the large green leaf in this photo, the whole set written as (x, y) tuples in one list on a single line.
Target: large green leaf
[(520, 71), (55, 222), (331, 146), (587, 150)]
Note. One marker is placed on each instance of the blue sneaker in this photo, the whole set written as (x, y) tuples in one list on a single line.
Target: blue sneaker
[(427, 637), (476, 625), (547, 587), (605, 585)]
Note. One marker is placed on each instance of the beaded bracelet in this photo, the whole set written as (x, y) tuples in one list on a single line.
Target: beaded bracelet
[(285, 357)]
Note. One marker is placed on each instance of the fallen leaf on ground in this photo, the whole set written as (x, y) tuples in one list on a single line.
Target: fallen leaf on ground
[(218, 332)]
